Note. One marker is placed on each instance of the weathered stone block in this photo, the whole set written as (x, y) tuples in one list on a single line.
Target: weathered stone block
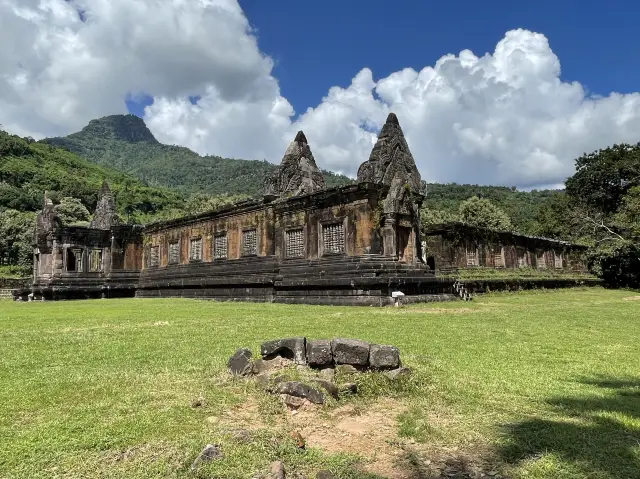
[(240, 363), (382, 356), (319, 353), (350, 351), (290, 348), (298, 389)]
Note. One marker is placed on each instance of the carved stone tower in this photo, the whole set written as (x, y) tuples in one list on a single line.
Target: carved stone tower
[(298, 173), (105, 215), (391, 163)]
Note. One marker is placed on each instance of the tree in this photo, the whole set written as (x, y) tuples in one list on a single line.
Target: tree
[(605, 192), (604, 177), (430, 217), (617, 262), (16, 231), (555, 218), (200, 202), (627, 218), (481, 212), (72, 211)]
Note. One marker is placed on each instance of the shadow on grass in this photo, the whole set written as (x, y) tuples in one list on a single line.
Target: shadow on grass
[(596, 434)]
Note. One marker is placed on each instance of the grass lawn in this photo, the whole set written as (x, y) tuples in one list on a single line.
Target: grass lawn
[(526, 385)]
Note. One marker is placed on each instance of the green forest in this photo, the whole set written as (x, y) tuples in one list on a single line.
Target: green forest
[(125, 143)]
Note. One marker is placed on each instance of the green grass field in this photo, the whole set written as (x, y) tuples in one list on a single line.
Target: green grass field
[(527, 385)]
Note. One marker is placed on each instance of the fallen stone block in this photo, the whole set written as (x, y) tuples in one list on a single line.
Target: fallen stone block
[(350, 351), (240, 363), (290, 348), (382, 356), (319, 353), (295, 388)]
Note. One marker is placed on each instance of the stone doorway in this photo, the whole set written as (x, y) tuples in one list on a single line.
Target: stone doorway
[(402, 243)]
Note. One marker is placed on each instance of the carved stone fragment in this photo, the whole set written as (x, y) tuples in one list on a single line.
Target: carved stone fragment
[(290, 348)]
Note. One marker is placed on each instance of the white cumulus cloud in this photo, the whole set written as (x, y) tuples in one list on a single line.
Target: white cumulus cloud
[(502, 118)]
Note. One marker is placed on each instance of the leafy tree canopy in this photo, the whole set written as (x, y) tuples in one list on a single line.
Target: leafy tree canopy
[(603, 177), (71, 211), (16, 230), (481, 212)]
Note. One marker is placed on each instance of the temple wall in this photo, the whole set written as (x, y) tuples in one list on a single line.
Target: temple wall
[(355, 218), (235, 228), (454, 251)]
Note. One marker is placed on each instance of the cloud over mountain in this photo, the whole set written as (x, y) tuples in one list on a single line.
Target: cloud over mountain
[(502, 118)]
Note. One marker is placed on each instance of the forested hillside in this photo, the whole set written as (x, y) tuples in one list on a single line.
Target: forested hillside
[(125, 143), (522, 207)]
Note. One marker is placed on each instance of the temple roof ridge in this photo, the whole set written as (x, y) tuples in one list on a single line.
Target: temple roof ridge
[(297, 173), (390, 158), (105, 215)]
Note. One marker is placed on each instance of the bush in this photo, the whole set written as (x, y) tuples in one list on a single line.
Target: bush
[(617, 263)]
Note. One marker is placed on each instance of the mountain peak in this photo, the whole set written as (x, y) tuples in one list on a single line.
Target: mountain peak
[(129, 128)]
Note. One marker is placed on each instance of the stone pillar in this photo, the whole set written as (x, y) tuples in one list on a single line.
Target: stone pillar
[(56, 253), (389, 236), (107, 257)]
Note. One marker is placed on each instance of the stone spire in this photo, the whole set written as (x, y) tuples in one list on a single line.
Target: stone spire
[(297, 174), (105, 215), (47, 222), (391, 159)]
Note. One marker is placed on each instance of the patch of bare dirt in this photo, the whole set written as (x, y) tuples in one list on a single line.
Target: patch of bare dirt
[(369, 432), (631, 298)]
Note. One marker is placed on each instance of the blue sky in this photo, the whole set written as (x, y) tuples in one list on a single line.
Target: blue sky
[(316, 45), (320, 44)]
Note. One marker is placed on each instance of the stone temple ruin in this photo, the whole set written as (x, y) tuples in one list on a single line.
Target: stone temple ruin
[(299, 243)]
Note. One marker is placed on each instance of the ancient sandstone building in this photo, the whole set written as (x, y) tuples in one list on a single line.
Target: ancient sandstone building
[(299, 243)]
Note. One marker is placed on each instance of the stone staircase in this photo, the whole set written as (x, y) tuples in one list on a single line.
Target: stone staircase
[(460, 290)]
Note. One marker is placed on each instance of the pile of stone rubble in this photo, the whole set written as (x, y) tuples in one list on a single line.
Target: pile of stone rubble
[(321, 358)]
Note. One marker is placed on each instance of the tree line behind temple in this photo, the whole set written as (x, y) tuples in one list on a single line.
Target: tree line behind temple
[(600, 206)]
